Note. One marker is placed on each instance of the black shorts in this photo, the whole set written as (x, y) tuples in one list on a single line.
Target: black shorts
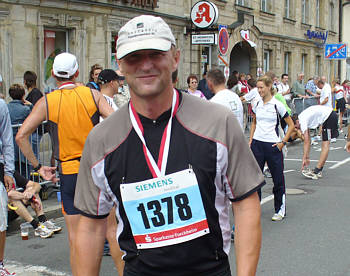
[(21, 181), (340, 106), (67, 186), (330, 127)]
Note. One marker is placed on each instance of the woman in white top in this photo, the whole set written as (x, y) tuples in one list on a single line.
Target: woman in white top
[(265, 142), (338, 91), (192, 82)]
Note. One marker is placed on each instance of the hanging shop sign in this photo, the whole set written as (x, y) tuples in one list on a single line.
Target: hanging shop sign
[(204, 14), (203, 39)]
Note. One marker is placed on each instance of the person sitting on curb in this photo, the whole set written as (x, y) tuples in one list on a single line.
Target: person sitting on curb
[(30, 196)]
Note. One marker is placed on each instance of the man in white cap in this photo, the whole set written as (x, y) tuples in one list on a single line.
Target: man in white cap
[(170, 174), (71, 112)]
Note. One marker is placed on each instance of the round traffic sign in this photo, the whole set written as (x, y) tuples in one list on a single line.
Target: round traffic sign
[(223, 41)]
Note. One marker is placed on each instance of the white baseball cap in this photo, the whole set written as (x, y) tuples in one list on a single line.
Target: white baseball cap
[(144, 32), (65, 65)]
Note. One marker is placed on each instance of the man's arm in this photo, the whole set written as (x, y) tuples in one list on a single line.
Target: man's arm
[(104, 108), (89, 246), (252, 130), (324, 101), (35, 118), (6, 137), (306, 156), (247, 234)]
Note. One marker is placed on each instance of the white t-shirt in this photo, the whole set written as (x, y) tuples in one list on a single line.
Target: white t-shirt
[(284, 88), (339, 92), (266, 120), (110, 101), (326, 92), (313, 116), (252, 96), (231, 100)]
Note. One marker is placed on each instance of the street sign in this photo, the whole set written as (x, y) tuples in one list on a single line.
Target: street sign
[(223, 41), (203, 39), (335, 51)]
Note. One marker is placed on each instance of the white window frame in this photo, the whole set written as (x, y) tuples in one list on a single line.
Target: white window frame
[(266, 61), (263, 5), (304, 11), (241, 2)]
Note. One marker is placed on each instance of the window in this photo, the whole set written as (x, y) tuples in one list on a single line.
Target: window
[(304, 63), (55, 42), (266, 5), (240, 2), (318, 66), (304, 11), (266, 61), (331, 17), (317, 13), (286, 63), (286, 9), (114, 64)]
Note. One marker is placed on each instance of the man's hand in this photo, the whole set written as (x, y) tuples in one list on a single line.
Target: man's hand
[(306, 162), (48, 173), (9, 182)]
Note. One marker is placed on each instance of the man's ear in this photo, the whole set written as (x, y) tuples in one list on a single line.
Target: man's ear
[(76, 74)]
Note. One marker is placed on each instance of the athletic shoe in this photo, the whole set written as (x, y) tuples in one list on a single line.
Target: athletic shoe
[(43, 232), (5, 272), (309, 174), (333, 140), (277, 217), (317, 138), (340, 130), (52, 226), (313, 143), (267, 173), (319, 174)]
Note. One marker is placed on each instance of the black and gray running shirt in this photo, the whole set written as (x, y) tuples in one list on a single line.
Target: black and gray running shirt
[(204, 135)]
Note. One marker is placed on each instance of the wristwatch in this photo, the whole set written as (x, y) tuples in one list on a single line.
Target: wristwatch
[(284, 142), (37, 168)]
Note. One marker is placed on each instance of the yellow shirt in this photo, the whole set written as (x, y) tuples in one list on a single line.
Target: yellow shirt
[(71, 113)]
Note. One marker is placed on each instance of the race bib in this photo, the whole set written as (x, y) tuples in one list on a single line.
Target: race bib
[(166, 210)]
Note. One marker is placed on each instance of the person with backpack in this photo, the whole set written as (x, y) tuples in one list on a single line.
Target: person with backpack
[(93, 77)]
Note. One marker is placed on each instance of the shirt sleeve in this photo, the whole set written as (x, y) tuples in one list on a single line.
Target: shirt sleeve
[(282, 110), (243, 173), (92, 195), (6, 137)]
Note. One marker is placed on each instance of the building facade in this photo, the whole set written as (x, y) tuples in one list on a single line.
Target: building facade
[(289, 35)]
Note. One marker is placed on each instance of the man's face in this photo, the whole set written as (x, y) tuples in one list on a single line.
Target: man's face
[(301, 77), (148, 72), (320, 85), (285, 79)]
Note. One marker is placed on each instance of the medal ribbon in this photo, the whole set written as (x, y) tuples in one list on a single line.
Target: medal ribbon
[(157, 169)]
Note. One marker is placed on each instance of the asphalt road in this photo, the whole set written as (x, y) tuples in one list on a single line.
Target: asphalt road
[(313, 240)]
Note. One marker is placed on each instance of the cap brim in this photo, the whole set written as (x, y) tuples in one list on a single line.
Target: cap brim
[(146, 44)]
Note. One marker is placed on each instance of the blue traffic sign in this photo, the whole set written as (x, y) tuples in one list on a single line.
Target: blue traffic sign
[(335, 51)]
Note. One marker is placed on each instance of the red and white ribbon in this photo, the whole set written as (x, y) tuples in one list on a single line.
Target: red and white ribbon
[(157, 169)]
